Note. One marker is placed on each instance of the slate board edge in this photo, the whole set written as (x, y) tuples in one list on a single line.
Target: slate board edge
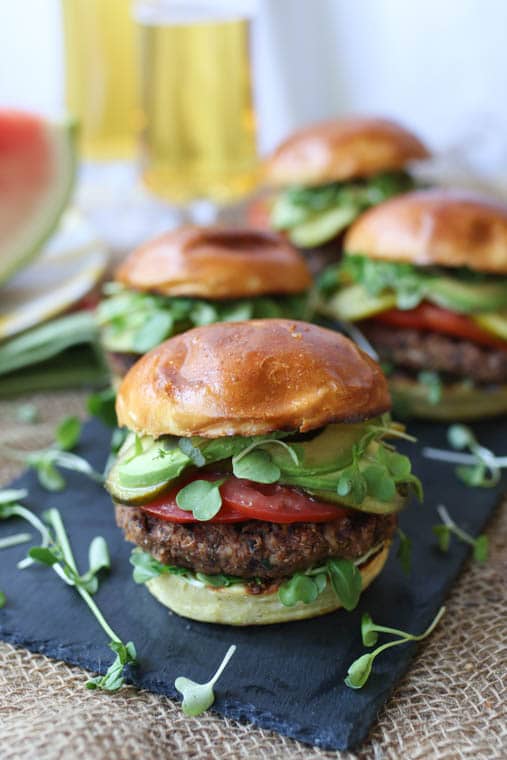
[(243, 713)]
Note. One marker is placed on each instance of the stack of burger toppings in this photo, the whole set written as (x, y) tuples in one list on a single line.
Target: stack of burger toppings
[(329, 173), (194, 276), (259, 480), (424, 276)]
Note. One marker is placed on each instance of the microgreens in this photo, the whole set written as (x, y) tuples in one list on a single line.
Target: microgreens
[(254, 463), (479, 468), (9, 507), (45, 461), (147, 567), (343, 575), (192, 452), (404, 552), (14, 540), (433, 385), (360, 670), (136, 322), (198, 697), (346, 581), (448, 527), (58, 555), (201, 497)]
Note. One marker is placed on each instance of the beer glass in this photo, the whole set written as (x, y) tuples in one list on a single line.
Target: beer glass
[(198, 136), (100, 76)]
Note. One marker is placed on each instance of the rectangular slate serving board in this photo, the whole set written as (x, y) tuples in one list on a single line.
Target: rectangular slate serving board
[(287, 678)]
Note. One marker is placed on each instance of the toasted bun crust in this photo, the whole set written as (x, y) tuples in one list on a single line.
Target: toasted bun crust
[(211, 262), (233, 606), (344, 149), (447, 227), (458, 402), (250, 378)]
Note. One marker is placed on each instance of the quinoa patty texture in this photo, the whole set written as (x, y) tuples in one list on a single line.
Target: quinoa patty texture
[(254, 549), (419, 350)]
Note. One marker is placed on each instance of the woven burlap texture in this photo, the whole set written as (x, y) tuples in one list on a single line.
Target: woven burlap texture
[(452, 703)]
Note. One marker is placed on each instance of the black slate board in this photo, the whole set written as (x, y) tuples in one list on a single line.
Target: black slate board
[(288, 678)]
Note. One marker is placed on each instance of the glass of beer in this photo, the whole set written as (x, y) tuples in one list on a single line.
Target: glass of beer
[(100, 76), (198, 135)]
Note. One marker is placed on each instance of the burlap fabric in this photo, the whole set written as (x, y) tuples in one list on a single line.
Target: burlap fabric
[(452, 704)]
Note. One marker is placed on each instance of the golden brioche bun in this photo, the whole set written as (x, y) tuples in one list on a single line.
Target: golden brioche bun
[(233, 606), (211, 262), (250, 378), (446, 227), (458, 403), (343, 149)]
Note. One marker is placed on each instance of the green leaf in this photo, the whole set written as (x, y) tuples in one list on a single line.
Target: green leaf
[(481, 548), (3, 600), (443, 534), (256, 465), (433, 384), (197, 697), (203, 313), (67, 433), (98, 555), (145, 566), (380, 484), (114, 677), (201, 497), (98, 560), (102, 406), (368, 632), (157, 327), (49, 477), (346, 581), (299, 588), (359, 672), (43, 555), (460, 436), (192, 452), (473, 475), (404, 552)]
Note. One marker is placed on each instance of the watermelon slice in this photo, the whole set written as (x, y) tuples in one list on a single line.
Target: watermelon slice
[(37, 170)]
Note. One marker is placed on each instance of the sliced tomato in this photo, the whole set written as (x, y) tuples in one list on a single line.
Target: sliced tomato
[(435, 319), (244, 500)]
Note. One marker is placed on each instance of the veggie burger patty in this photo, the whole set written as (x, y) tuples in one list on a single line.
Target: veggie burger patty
[(254, 548)]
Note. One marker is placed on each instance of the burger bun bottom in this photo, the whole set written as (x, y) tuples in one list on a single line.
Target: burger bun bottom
[(233, 606)]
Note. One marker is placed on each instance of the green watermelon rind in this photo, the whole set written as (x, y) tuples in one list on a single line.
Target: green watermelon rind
[(64, 134)]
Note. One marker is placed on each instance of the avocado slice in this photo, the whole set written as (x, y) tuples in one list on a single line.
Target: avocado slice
[(353, 303), (370, 505), (322, 227), (467, 297), (328, 451)]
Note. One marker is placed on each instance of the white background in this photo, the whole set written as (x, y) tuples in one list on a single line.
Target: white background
[(438, 65)]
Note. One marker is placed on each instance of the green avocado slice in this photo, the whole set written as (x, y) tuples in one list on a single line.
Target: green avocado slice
[(322, 227), (468, 297), (353, 303)]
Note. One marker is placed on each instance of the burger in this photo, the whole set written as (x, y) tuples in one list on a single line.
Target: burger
[(424, 278), (326, 175), (257, 480), (194, 276)]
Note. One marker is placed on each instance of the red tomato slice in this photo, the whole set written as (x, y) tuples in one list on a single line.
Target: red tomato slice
[(244, 500), (435, 319)]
